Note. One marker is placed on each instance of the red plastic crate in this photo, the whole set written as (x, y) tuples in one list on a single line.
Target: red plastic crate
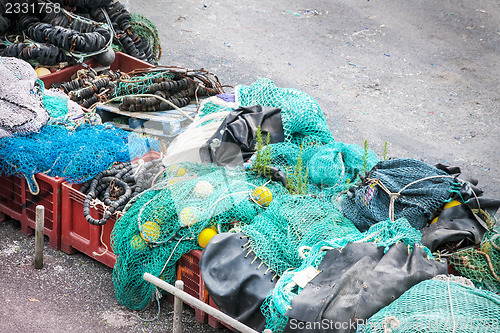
[(49, 197), (78, 234), (11, 196), (189, 272), (123, 62)]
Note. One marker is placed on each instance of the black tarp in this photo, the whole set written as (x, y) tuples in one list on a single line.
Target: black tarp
[(235, 140), (356, 282), (235, 281)]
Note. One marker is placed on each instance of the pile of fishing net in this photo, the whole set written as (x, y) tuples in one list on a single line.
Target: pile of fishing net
[(163, 223), (21, 99), (296, 203), (75, 155), (443, 304), (26, 105), (303, 120)]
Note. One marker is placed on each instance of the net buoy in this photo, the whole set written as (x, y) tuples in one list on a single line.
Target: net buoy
[(262, 196), (203, 189), (188, 216), (138, 243), (150, 231), (205, 236)]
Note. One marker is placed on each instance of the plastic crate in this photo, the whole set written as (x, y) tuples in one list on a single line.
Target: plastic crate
[(189, 272), (123, 62), (49, 197), (79, 235), (11, 196)]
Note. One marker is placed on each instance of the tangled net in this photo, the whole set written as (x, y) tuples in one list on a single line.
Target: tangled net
[(76, 156), (163, 223), (481, 264), (438, 305), (303, 120)]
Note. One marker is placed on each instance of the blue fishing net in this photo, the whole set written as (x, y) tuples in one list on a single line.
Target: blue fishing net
[(77, 155)]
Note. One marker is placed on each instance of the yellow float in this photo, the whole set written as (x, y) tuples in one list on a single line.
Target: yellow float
[(150, 231), (262, 196), (205, 236)]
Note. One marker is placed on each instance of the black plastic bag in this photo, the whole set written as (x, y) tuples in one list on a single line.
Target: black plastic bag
[(235, 140), (356, 282), (237, 283)]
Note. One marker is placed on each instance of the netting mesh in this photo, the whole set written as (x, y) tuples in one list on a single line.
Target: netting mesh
[(335, 165), (291, 222), (421, 190), (140, 83), (384, 234), (438, 306), (164, 222), (303, 120), (21, 108), (481, 264), (146, 29), (76, 155)]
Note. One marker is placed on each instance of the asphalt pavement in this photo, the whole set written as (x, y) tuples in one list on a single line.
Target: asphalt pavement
[(422, 76)]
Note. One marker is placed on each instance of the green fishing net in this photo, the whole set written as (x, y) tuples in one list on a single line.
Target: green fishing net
[(303, 120), (335, 165), (384, 234), (146, 29), (163, 223), (140, 83), (443, 304), (481, 264), (291, 222)]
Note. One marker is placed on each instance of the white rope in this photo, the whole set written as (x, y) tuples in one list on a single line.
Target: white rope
[(139, 167), (394, 196), (105, 246), (451, 308)]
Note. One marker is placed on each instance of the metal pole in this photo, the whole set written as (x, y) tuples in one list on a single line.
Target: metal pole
[(198, 304), (40, 218), (177, 327)]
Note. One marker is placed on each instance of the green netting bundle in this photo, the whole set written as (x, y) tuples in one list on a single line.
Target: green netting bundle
[(140, 83), (384, 234), (146, 29), (332, 165), (438, 306), (482, 264), (303, 120), (163, 223)]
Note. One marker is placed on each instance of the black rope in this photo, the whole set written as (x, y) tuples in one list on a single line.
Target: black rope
[(115, 187)]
